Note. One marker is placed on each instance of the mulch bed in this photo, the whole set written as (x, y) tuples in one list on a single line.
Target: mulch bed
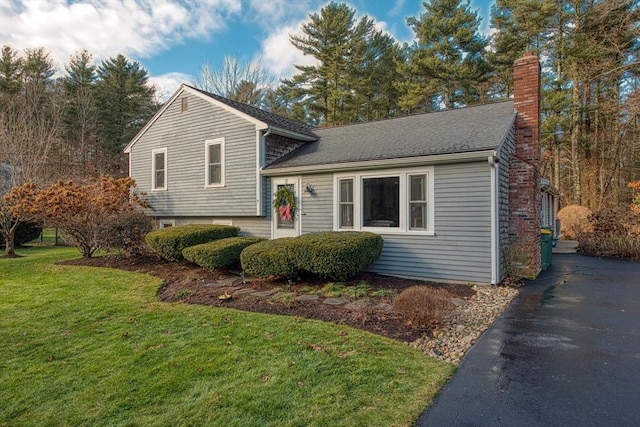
[(183, 281)]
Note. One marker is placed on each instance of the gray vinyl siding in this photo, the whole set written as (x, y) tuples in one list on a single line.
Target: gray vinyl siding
[(317, 208), (505, 152), (184, 135), (460, 250)]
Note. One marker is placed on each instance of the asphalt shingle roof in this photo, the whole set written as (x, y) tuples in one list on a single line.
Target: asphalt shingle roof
[(271, 119), (444, 132)]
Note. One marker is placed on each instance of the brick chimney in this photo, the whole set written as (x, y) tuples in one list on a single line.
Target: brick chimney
[(524, 171)]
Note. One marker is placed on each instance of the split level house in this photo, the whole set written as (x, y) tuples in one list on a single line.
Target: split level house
[(455, 194)]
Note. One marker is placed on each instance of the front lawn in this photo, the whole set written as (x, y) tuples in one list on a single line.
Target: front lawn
[(88, 346)]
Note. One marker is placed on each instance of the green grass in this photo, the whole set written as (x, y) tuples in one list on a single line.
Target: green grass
[(87, 346)]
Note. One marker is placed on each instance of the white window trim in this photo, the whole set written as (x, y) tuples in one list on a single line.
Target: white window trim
[(163, 223), (154, 187), (405, 212), (207, 144)]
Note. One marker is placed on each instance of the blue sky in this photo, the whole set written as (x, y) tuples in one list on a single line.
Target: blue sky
[(173, 38)]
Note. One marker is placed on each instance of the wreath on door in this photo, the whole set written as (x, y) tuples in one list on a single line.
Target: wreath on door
[(284, 203)]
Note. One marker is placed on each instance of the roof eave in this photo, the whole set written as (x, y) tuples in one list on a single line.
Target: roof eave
[(381, 163), (292, 134)]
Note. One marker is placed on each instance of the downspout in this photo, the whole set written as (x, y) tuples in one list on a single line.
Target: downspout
[(495, 218), (260, 159)]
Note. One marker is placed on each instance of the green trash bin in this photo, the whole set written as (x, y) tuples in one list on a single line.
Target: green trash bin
[(546, 243)]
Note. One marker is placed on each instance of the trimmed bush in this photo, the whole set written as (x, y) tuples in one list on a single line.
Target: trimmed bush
[(337, 255), (219, 253), (423, 306), (169, 242), (333, 255), (25, 233), (270, 258)]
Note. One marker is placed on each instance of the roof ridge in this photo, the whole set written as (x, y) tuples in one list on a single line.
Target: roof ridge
[(422, 113), (274, 119)]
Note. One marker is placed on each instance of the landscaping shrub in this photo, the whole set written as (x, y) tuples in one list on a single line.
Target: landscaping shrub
[(333, 255), (574, 219), (423, 306), (25, 232), (615, 232), (337, 255), (219, 253), (125, 231), (169, 242), (270, 258)]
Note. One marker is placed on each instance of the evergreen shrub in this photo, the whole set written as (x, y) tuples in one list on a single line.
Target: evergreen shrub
[(337, 255), (219, 253), (271, 258), (332, 255), (169, 242), (25, 233)]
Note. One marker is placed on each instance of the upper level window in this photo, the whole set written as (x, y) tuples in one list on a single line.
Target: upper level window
[(214, 162), (185, 104), (159, 169), (389, 202)]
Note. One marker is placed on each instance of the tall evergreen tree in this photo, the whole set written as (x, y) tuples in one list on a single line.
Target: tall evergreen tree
[(125, 101), (80, 116), (353, 77), (447, 61), (10, 70)]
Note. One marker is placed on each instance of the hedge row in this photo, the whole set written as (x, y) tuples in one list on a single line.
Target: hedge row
[(169, 242), (332, 255), (219, 253)]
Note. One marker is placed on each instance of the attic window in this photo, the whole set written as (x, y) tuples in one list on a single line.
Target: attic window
[(185, 104)]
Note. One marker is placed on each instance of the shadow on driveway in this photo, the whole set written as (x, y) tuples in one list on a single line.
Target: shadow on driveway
[(566, 353)]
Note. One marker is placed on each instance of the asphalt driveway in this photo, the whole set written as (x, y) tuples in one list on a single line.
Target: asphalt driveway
[(566, 353)]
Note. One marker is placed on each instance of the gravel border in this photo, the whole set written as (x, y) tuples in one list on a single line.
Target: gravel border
[(460, 330)]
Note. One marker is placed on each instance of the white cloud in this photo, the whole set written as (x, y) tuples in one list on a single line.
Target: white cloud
[(138, 28), (279, 56), (167, 84), (275, 13)]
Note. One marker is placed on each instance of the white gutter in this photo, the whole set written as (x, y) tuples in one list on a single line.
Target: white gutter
[(382, 163), (290, 134), (495, 217)]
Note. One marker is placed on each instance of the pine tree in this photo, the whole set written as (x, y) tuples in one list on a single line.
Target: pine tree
[(10, 70), (80, 117), (125, 102), (448, 60), (353, 78)]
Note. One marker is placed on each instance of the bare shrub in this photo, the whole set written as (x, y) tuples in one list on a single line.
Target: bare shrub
[(574, 219), (125, 231), (423, 306), (615, 232)]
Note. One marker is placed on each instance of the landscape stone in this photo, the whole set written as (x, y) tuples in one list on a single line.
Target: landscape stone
[(263, 294), (458, 302), (244, 291), (335, 301), (307, 297), (359, 304), (383, 306)]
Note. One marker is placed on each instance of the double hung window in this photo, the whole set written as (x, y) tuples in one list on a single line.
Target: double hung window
[(159, 169), (214, 162)]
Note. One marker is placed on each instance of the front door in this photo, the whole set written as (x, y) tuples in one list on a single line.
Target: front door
[(286, 221)]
